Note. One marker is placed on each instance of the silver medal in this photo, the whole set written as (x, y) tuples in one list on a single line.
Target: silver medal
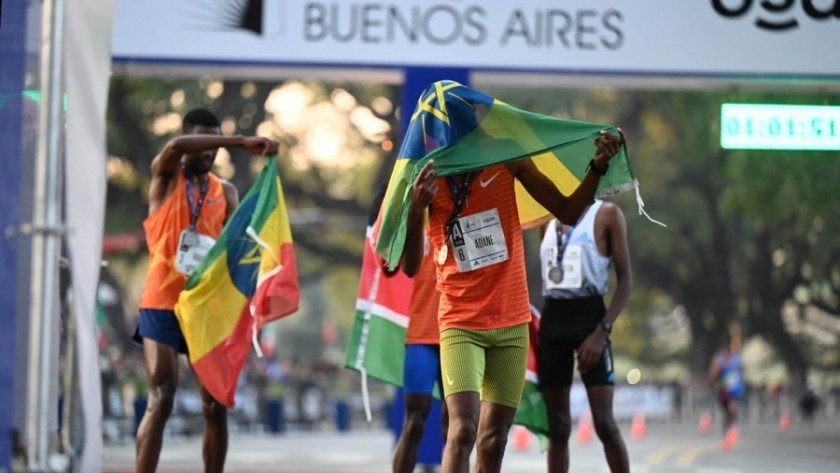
[(555, 274)]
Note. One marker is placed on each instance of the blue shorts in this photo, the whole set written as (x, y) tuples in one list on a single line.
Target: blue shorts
[(161, 326), (421, 369)]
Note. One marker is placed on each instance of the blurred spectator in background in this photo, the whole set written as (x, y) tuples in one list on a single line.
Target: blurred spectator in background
[(809, 403), (676, 400), (727, 373)]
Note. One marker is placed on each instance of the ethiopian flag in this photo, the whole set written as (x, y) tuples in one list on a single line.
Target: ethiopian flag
[(377, 343), (248, 279), (465, 130)]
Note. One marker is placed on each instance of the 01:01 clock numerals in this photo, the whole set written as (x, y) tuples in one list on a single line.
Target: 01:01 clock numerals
[(777, 127)]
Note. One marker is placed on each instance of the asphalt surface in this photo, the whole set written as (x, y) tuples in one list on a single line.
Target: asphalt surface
[(665, 448)]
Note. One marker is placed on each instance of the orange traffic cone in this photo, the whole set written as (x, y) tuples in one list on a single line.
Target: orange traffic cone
[(638, 429), (584, 428), (731, 438), (784, 421), (705, 422), (521, 438)]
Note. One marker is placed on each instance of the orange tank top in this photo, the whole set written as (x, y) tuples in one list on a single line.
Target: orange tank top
[(490, 297), (163, 229), (423, 320)]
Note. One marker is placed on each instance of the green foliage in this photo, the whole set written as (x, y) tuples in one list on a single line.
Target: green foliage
[(746, 224)]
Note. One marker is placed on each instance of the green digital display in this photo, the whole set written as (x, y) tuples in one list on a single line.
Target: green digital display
[(765, 126)]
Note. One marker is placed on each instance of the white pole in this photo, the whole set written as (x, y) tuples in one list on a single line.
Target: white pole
[(46, 241)]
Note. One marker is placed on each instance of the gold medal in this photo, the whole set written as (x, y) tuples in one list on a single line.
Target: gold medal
[(442, 254)]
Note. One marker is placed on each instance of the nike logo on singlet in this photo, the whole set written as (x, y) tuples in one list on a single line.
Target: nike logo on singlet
[(486, 183)]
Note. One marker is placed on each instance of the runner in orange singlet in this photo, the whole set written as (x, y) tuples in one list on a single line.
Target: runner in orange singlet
[(484, 307), (187, 208)]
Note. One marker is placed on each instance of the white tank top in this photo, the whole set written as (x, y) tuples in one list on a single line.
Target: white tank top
[(584, 270)]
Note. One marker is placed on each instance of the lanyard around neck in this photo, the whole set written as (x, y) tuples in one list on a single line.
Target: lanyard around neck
[(563, 239), (459, 197), (195, 207)]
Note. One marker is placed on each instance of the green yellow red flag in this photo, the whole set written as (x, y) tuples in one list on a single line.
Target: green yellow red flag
[(248, 279)]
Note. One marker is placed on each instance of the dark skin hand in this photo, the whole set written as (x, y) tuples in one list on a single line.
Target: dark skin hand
[(566, 209), (423, 192)]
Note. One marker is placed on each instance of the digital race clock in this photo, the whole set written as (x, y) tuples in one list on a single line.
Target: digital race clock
[(764, 126)]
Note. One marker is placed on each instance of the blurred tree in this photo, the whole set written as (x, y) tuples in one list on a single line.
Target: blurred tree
[(789, 211), (748, 229)]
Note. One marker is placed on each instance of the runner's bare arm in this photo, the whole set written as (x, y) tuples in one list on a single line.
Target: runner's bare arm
[(170, 156), (620, 254), (566, 208), (231, 197), (714, 369), (423, 191), (611, 217), (165, 165)]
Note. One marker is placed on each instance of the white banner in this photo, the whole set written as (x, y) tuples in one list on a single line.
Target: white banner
[(628, 400), (87, 74), (636, 37)]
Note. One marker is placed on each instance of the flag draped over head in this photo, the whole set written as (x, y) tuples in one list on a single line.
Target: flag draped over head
[(248, 279), (465, 130)]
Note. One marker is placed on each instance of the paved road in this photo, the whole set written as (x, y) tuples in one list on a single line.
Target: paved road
[(664, 449)]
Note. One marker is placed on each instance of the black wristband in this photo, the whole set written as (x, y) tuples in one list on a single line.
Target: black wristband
[(596, 169)]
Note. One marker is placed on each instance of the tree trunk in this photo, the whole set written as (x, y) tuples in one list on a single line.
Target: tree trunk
[(766, 306), (787, 348)]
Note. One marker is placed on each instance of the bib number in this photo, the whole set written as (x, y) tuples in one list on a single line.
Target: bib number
[(192, 248), (568, 272), (478, 241)]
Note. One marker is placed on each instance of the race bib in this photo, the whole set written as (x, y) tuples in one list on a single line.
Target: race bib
[(478, 241), (192, 248), (568, 274)]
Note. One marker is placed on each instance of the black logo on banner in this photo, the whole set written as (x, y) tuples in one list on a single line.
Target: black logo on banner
[(232, 15), (779, 15)]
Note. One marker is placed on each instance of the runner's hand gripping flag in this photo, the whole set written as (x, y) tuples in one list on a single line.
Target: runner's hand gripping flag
[(248, 279)]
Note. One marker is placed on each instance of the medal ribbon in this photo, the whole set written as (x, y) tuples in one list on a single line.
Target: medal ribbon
[(562, 240), (195, 207), (459, 196)]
